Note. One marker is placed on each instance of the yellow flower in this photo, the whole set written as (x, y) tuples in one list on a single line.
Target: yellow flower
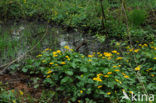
[(119, 65), (114, 66), (58, 51), (106, 76), (13, 91), (154, 58), (100, 74), (131, 49), (126, 76), (90, 56), (136, 50), (97, 79), (47, 49), (48, 76), (127, 61), (43, 61), (99, 86), (90, 60), (66, 47), (138, 68), (114, 51), (118, 58), (98, 53), (140, 44), (118, 44), (51, 63), (67, 56), (117, 70), (123, 90), (152, 42), (123, 74), (54, 53), (63, 63), (81, 91), (116, 80), (21, 93), (131, 92), (145, 45), (152, 75), (50, 71), (39, 55), (107, 54), (109, 73), (82, 56), (108, 93), (14, 101)]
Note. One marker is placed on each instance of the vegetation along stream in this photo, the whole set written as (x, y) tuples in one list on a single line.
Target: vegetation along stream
[(77, 51)]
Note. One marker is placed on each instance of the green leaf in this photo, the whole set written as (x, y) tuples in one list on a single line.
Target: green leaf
[(83, 69), (69, 72), (65, 79), (24, 70)]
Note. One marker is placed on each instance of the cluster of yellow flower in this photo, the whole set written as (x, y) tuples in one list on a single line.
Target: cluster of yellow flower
[(107, 54), (45, 50), (132, 49), (68, 48), (48, 73), (98, 77), (143, 45), (55, 53), (68, 57), (149, 69)]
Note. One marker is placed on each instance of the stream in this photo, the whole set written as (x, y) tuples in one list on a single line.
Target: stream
[(17, 38)]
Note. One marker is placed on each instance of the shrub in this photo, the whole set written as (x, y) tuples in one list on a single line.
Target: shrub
[(137, 17)]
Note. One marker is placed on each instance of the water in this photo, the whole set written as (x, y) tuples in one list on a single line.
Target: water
[(17, 38)]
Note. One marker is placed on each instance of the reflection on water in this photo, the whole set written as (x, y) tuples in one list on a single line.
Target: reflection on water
[(17, 38)]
